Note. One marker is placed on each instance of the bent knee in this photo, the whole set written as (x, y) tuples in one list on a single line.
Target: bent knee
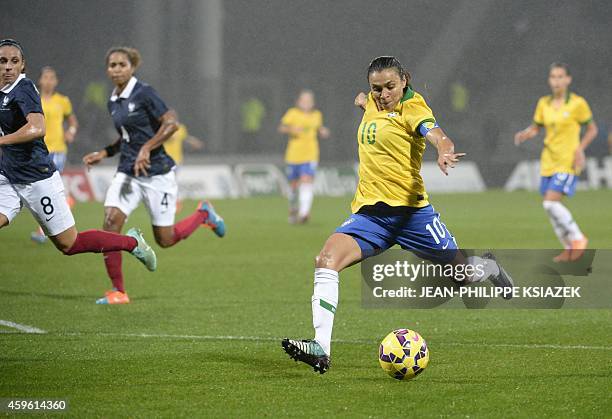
[(64, 246), (65, 250), (164, 242)]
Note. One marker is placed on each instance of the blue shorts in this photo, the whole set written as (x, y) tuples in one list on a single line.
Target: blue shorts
[(296, 171), (59, 159), (560, 182), (416, 229)]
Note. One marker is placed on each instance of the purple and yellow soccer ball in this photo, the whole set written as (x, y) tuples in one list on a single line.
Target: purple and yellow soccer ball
[(403, 354)]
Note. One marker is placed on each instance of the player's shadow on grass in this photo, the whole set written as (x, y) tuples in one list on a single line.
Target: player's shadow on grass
[(72, 297), (266, 365)]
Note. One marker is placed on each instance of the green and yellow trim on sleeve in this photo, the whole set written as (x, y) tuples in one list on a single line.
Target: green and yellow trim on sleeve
[(587, 122)]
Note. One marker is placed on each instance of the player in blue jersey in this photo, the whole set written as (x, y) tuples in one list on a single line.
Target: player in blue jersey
[(29, 177), (146, 171)]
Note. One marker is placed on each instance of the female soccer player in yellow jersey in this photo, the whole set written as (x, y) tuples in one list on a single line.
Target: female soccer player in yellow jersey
[(302, 123), (390, 205), (562, 114), (57, 109)]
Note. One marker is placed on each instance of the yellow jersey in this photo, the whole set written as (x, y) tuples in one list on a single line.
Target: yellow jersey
[(562, 132), (391, 152), (56, 109), (303, 147), (174, 144)]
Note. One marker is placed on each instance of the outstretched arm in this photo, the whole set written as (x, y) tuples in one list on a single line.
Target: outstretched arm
[(289, 129), (97, 156), (526, 134), (447, 158), (194, 142)]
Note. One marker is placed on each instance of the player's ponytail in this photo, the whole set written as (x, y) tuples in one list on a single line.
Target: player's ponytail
[(387, 61)]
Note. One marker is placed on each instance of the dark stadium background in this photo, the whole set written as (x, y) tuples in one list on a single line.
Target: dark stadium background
[(202, 335), (208, 57)]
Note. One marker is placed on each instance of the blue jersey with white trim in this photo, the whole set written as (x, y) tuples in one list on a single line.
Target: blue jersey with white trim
[(25, 162), (136, 114)]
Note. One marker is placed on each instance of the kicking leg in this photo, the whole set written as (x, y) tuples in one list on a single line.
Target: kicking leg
[(71, 242)]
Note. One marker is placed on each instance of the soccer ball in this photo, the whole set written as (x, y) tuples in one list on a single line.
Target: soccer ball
[(403, 354)]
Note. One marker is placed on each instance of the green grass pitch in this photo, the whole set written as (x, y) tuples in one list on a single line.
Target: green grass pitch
[(201, 336)]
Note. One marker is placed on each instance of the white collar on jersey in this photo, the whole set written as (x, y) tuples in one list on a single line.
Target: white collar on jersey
[(127, 91), (7, 89)]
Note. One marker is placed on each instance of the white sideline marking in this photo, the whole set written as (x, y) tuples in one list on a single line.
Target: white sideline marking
[(30, 329), (347, 341), (22, 327)]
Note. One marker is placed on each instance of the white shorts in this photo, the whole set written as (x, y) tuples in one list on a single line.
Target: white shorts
[(45, 199), (159, 194)]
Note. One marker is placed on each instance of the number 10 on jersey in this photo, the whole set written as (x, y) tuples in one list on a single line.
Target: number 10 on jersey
[(368, 133)]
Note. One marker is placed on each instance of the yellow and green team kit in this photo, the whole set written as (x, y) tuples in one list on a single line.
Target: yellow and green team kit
[(562, 126), (391, 152), (56, 109), (304, 146)]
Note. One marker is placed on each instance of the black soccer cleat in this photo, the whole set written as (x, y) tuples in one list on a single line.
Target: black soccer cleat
[(309, 352), (501, 280)]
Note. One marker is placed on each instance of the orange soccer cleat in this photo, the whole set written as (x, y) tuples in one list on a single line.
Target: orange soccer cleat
[(114, 297), (563, 256), (577, 248), (573, 252)]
